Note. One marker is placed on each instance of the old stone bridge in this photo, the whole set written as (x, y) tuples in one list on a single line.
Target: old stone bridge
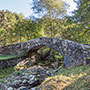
[(73, 53)]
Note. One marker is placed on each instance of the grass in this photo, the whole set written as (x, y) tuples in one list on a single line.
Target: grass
[(73, 71), (6, 72), (5, 57), (83, 83), (76, 78)]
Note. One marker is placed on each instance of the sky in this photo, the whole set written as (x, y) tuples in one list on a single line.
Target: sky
[(24, 6)]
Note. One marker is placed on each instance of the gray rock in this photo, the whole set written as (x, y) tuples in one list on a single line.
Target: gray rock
[(33, 77), (24, 81), (10, 88), (21, 88), (33, 88)]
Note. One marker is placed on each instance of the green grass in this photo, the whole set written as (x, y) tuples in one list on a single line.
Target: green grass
[(73, 71), (5, 57), (6, 72)]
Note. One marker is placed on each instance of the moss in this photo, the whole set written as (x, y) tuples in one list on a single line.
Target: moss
[(19, 67)]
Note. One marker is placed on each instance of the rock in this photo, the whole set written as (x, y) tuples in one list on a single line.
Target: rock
[(30, 78), (55, 64), (33, 88), (24, 81), (10, 88), (22, 88)]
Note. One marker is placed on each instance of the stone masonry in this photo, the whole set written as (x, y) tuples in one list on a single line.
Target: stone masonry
[(74, 53)]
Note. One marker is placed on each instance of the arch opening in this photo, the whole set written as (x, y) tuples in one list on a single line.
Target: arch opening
[(44, 55)]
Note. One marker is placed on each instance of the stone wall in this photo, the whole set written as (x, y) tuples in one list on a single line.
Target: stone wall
[(10, 62), (74, 53), (14, 49)]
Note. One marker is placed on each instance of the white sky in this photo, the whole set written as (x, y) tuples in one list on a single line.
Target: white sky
[(72, 6)]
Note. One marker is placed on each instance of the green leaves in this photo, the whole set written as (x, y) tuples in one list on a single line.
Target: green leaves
[(14, 28), (88, 25)]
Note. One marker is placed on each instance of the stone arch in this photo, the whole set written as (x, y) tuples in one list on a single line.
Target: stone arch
[(40, 42), (37, 47), (33, 52), (72, 52)]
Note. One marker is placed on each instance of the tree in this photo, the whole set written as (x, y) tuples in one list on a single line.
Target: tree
[(82, 17), (15, 28), (82, 14), (76, 28), (50, 10)]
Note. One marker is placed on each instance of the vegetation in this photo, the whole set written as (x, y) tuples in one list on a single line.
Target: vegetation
[(5, 72), (51, 11), (77, 27), (76, 78), (5, 57), (54, 22), (48, 57), (14, 28)]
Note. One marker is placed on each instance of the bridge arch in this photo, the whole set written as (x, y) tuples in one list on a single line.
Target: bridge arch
[(74, 53), (40, 45), (43, 53)]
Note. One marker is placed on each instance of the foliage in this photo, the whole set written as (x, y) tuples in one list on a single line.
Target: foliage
[(53, 59), (75, 31), (82, 14), (50, 8), (75, 28), (51, 11), (15, 28), (82, 18)]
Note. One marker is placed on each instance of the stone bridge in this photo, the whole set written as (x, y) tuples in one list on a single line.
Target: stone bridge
[(74, 53)]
